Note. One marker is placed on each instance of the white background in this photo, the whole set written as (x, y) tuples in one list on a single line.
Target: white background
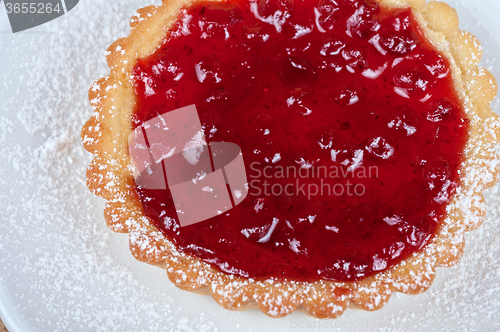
[(61, 269)]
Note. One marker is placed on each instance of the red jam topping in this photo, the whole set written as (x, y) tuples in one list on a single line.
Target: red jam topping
[(348, 121)]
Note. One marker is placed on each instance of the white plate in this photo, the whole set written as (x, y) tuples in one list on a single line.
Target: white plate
[(61, 269)]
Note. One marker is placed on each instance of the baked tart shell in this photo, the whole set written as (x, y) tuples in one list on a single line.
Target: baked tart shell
[(110, 176)]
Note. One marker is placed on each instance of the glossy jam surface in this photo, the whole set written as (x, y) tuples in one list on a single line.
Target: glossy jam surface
[(350, 127)]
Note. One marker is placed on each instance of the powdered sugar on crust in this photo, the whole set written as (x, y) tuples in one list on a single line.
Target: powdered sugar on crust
[(110, 176)]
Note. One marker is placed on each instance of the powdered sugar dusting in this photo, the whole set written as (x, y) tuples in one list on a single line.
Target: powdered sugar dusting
[(61, 268), (66, 272)]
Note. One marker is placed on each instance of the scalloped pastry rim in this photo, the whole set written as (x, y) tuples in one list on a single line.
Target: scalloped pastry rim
[(110, 176)]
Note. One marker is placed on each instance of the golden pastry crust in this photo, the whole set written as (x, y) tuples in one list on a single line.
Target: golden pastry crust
[(110, 176)]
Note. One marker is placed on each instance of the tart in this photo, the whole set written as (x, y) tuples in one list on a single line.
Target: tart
[(366, 133)]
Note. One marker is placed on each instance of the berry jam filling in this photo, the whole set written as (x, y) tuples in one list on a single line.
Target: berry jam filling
[(348, 121)]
